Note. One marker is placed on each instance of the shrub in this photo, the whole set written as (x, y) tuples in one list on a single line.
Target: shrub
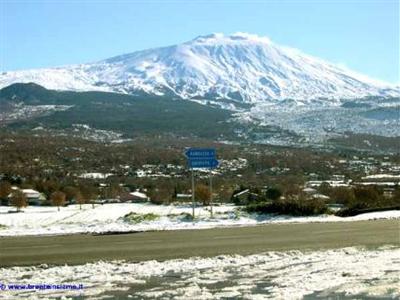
[(369, 199), (291, 206), (160, 195), (273, 193), (343, 195), (202, 193), (183, 217), (138, 218), (367, 195)]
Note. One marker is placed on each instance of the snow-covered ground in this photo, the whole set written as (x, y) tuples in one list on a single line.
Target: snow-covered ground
[(36, 220), (347, 273)]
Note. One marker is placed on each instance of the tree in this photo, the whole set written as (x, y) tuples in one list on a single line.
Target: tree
[(273, 193), (343, 195), (225, 194), (48, 187), (73, 193), (80, 199), (88, 192), (70, 193), (58, 199), (203, 194), (5, 189), (18, 199), (396, 196), (111, 192), (324, 188), (160, 195), (368, 196)]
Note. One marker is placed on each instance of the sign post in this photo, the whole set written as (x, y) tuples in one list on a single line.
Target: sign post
[(192, 194), (201, 158), (211, 195)]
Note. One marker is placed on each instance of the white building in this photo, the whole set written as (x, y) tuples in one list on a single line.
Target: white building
[(33, 197)]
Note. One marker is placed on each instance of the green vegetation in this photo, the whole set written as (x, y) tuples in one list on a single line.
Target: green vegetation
[(293, 207), (370, 199), (368, 142), (139, 218), (183, 217), (273, 193), (55, 163), (132, 115), (362, 199), (52, 160), (237, 213)]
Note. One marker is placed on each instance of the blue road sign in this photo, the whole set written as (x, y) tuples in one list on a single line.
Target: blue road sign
[(203, 163), (197, 153)]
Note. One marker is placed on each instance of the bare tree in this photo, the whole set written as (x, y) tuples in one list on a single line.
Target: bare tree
[(88, 192), (70, 193), (80, 199), (58, 199), (5, 189), (113, 191), (18, 199), (203, 194)]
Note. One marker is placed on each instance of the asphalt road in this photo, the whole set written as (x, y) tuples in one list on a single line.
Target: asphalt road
[(162, 245)]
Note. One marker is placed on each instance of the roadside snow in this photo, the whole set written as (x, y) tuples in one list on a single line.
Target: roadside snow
[(351, 273), (36, 220)]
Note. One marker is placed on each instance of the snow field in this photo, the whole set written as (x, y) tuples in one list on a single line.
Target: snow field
[(354, 272), (36, 220)]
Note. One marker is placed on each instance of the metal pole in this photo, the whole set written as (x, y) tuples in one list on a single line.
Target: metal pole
[(211, 194), (192, 194)]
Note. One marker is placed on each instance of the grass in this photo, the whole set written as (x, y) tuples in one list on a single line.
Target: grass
[(135, 218), (182, 217)]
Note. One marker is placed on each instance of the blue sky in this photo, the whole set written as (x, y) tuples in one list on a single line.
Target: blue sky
[(361, 34)]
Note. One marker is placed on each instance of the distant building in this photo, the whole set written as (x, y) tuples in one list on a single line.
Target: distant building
[(33, 197), (136, 196), (241, 197), (335, 206), (244, 197), (183, 197), (309, 190), (321, 197)]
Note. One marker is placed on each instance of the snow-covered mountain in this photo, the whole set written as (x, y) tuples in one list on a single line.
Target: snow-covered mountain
[(240, 67)]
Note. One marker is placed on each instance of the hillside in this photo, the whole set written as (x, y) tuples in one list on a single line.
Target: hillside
[(240, 67), (130, 115)]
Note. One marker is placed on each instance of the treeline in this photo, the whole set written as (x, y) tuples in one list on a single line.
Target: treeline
[(363, 198), (355, 200)]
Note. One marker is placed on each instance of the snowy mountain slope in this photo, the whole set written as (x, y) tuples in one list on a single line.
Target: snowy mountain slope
[(241, 67)]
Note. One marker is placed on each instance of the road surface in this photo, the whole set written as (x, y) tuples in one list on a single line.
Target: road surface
[(163, 245)]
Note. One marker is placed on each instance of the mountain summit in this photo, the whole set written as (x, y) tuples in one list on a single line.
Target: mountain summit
[(241, 67)]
